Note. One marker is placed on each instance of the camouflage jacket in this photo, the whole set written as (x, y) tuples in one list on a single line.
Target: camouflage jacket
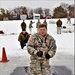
[(37, 42), (45, 23), (22, 36), (30, 25), (59, 23), (37, 24)]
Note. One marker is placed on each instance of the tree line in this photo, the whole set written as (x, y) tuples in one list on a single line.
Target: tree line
[(62, 11)]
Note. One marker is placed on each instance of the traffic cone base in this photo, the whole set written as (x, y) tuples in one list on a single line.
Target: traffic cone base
[(4, 57), (4, 61)]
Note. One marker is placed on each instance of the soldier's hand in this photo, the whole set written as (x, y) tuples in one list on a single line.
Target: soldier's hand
[(39, 53), (47, 56)]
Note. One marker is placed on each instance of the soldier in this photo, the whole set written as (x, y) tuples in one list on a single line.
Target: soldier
[(23, 38), (37, 24), (59, 26), (30, 26), (23, 25), (41, 46), (45, 22), (68, 20)]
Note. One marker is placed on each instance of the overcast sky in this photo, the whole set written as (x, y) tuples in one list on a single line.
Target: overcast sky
[(9, 4)]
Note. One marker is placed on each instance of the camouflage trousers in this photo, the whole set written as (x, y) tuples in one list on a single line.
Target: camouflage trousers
[(40, 67)]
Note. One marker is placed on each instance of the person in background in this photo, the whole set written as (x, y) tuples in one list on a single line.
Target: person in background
[(23, 25), (23, 38), (42, 47), (59, 26), (30, 26), (37, 24), (45, 22), (68, 20)]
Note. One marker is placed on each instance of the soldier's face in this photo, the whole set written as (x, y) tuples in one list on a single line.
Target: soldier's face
[(42, 31), (23, 32)]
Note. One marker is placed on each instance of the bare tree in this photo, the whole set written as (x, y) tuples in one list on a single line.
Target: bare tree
[(31, 13), (47, 11), (38, 10), (2, 11), (64, 5)]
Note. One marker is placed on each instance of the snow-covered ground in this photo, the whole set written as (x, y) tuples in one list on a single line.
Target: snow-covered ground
[(20, 57)]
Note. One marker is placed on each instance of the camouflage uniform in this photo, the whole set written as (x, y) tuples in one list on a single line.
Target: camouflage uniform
[(59, 26), (45, 23), (37, 24), (40, 66), (69, 20), (30, 26)]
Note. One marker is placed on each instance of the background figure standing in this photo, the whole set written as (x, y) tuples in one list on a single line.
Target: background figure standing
[(23, 38), (68, 20), (59, 26), (23, 25), (45, 23), (41, 46), (37, 24), (30, 26)]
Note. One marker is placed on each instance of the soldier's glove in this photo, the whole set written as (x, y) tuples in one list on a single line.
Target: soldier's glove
[(39, 53), (47, 56)]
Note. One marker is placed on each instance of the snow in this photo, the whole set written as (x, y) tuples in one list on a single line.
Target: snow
[(9, 40), (64, 41)]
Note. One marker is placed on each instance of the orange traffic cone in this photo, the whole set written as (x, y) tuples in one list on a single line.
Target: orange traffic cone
[(4, 57)]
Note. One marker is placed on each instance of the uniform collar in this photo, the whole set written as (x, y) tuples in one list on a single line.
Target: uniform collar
[(42, 37)]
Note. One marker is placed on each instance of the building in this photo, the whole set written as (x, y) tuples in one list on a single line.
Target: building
[(36, 16)]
